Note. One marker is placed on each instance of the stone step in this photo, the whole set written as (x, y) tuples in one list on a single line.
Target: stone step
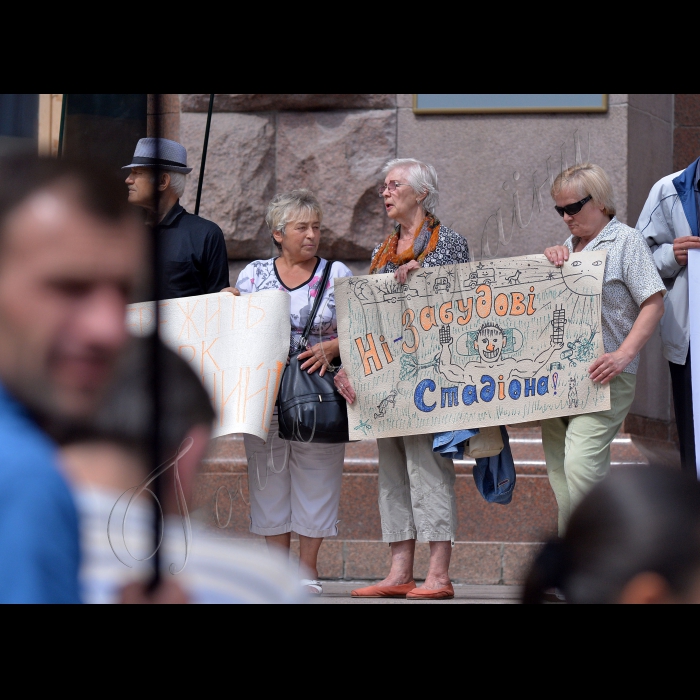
[(530, 517), (494, 542)]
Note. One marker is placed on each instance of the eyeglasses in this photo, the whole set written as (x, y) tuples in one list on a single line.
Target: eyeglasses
[(391, 186), (573, 209)]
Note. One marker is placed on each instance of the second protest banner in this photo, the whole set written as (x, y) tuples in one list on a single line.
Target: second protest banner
[(467, 346), (237, 345)]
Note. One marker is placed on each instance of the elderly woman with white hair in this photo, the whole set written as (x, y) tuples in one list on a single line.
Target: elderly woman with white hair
[(577, 448), (295, 486), (416, 485)]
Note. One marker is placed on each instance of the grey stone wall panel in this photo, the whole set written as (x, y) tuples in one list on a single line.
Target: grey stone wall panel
[(649, 151), (239, 179), (272, 102), (483, 161), (339, 155)]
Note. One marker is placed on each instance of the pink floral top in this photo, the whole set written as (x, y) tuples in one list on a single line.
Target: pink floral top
[(261, 275)]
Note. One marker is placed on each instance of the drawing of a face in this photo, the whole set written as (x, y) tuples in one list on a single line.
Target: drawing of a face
[(580, 276), (490, 343)]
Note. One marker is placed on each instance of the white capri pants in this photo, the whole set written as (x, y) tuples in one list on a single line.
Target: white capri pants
[(293, 486)]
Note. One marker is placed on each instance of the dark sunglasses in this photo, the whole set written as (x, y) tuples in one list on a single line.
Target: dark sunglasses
[(573, 209)]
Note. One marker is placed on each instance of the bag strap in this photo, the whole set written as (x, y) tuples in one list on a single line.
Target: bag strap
[(317, 302)]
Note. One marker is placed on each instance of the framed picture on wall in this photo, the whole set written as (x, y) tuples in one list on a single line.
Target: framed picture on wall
[(491, 103)]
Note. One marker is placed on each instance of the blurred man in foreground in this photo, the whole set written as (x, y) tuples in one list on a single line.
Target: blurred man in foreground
[(71, 251)]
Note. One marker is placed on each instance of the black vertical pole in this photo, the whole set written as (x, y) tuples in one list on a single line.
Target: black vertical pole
[(156, 355), (204, 155), (64, 105)]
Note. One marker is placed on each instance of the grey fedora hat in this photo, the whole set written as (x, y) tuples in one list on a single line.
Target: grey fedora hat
[(171, 155)]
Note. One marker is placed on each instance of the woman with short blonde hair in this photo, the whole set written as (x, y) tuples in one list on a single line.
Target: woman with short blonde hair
[(577, 448), (295, 486), (587, 179), (291, 206)]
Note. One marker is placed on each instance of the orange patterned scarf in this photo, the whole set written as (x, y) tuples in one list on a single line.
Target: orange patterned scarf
[(424, 243)]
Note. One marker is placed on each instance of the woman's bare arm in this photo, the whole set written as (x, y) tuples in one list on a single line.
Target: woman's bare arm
[(611, 364)]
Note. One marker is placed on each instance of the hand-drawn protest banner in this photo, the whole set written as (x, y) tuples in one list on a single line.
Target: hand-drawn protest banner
[(472, 345), (238, 346)]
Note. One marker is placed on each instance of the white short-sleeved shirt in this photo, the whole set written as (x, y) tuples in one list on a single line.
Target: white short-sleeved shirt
[(630, 279), (216, 569), (261, 275)]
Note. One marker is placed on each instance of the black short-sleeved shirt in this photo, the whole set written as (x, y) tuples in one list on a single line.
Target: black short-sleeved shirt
[(193, 255)]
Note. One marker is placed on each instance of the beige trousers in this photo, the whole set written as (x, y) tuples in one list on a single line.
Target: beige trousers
[(293, 486), (416, 491), (577, 448)]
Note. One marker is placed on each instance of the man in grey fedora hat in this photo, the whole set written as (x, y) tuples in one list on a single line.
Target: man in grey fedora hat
[(193, 251)]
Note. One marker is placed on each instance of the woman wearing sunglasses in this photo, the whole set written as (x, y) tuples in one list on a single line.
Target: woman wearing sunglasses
[(416, 485), (577, 448)]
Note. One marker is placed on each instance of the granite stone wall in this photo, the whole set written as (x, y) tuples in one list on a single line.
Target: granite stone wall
[(494, 170), (686, 132), (260, 145), (167, 108)]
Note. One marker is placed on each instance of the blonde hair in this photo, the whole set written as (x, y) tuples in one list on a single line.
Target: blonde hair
[(290, 206), (585, 179)]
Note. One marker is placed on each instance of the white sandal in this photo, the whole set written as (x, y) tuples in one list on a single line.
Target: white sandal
[(312, 583)]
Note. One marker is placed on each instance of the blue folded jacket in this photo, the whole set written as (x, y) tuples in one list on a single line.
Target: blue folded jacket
[(451, 444), (494, 476)]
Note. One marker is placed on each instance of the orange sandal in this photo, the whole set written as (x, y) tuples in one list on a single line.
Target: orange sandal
[(384, 591), (443, 593)]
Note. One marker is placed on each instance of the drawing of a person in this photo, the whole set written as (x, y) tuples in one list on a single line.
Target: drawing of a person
[(490, 342)]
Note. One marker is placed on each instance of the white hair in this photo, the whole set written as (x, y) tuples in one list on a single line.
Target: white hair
[(421, 177), (177, 181)]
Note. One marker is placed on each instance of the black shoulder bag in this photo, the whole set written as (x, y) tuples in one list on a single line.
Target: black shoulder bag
[(309, 407)]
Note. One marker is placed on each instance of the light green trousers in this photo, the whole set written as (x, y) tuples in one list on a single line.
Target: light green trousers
[(577, 448)]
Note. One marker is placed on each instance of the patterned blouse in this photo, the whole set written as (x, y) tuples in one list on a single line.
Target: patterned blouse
[(451, 248), (261, 275), (630, 279)]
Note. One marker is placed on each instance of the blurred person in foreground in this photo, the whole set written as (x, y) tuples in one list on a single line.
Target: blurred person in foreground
[(193, 251), (71, 252), (670, 224), (634, 538), (577, 448), (108, 463)]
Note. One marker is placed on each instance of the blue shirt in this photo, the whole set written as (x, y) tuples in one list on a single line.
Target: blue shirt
[(39, 538)]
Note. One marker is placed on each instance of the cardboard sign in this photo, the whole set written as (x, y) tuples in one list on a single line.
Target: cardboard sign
[(237, 345), (466, 346)]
